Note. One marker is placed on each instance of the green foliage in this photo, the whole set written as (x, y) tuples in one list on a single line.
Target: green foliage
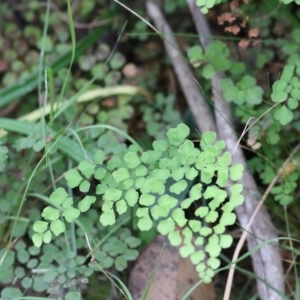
[(134, 179), (116, 251), (160, 116), (58, 270), (3, 157), (244, 91), (215, 58), (286, 91), (290, 1), (205, 5)]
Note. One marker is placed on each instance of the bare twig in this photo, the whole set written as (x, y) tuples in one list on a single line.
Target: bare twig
[(267, 262)]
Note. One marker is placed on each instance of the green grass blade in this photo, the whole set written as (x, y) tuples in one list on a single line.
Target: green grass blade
[(73, 50), (50, 83)]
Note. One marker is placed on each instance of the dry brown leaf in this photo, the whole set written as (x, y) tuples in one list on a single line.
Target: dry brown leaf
[(253, 33), (174, 275), (244, 43), (226, 17), (233, 29)]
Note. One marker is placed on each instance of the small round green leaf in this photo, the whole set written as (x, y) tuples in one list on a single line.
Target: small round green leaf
[(85, 204), (160, 146), (50, 213), (175, 238), (177, 135), (57, 227), (178, 187), (99, 157), (112, 194), (87, 168), (84, 186), (283, 115), (73, 178), (207, 138), (120, 174), (40, 226), (71, 214), (226, 241), (108, 218), (236, 172), (58, 196), (145, 223), (121, 206), (186, 250), (37, 239), (47, 237), (132, 160)]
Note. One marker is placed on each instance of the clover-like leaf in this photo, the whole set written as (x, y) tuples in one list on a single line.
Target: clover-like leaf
[(73, 178), (178, 187), (197, 257), (58, 196), (206, 139), (213, 262), (186, 250), (50, 213), (166, 226), (87, 168), (160, 146), (147, 199), (145, 223), (195, 55), (84, 186), (131, 196), (227, 219), (99, 157), (201, 211), (213, 250), (121, 206), (120, 174), (112, 194), (40, 226), (236, 172), (225, 241), (99, 173), (57, 227), (47, 237), (113, 163), (283, 115), (108, 218), (175, 238), (71, 213), (37, 239), (208, 71), (177, 135), (85, 204), (132, 160)]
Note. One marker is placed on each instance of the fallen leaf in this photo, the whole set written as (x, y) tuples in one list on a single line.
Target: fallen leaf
[(174, 275)]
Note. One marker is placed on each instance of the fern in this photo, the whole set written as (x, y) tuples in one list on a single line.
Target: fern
[(151, 181)]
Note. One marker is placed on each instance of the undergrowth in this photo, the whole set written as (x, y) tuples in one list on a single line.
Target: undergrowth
[(103, 160)]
